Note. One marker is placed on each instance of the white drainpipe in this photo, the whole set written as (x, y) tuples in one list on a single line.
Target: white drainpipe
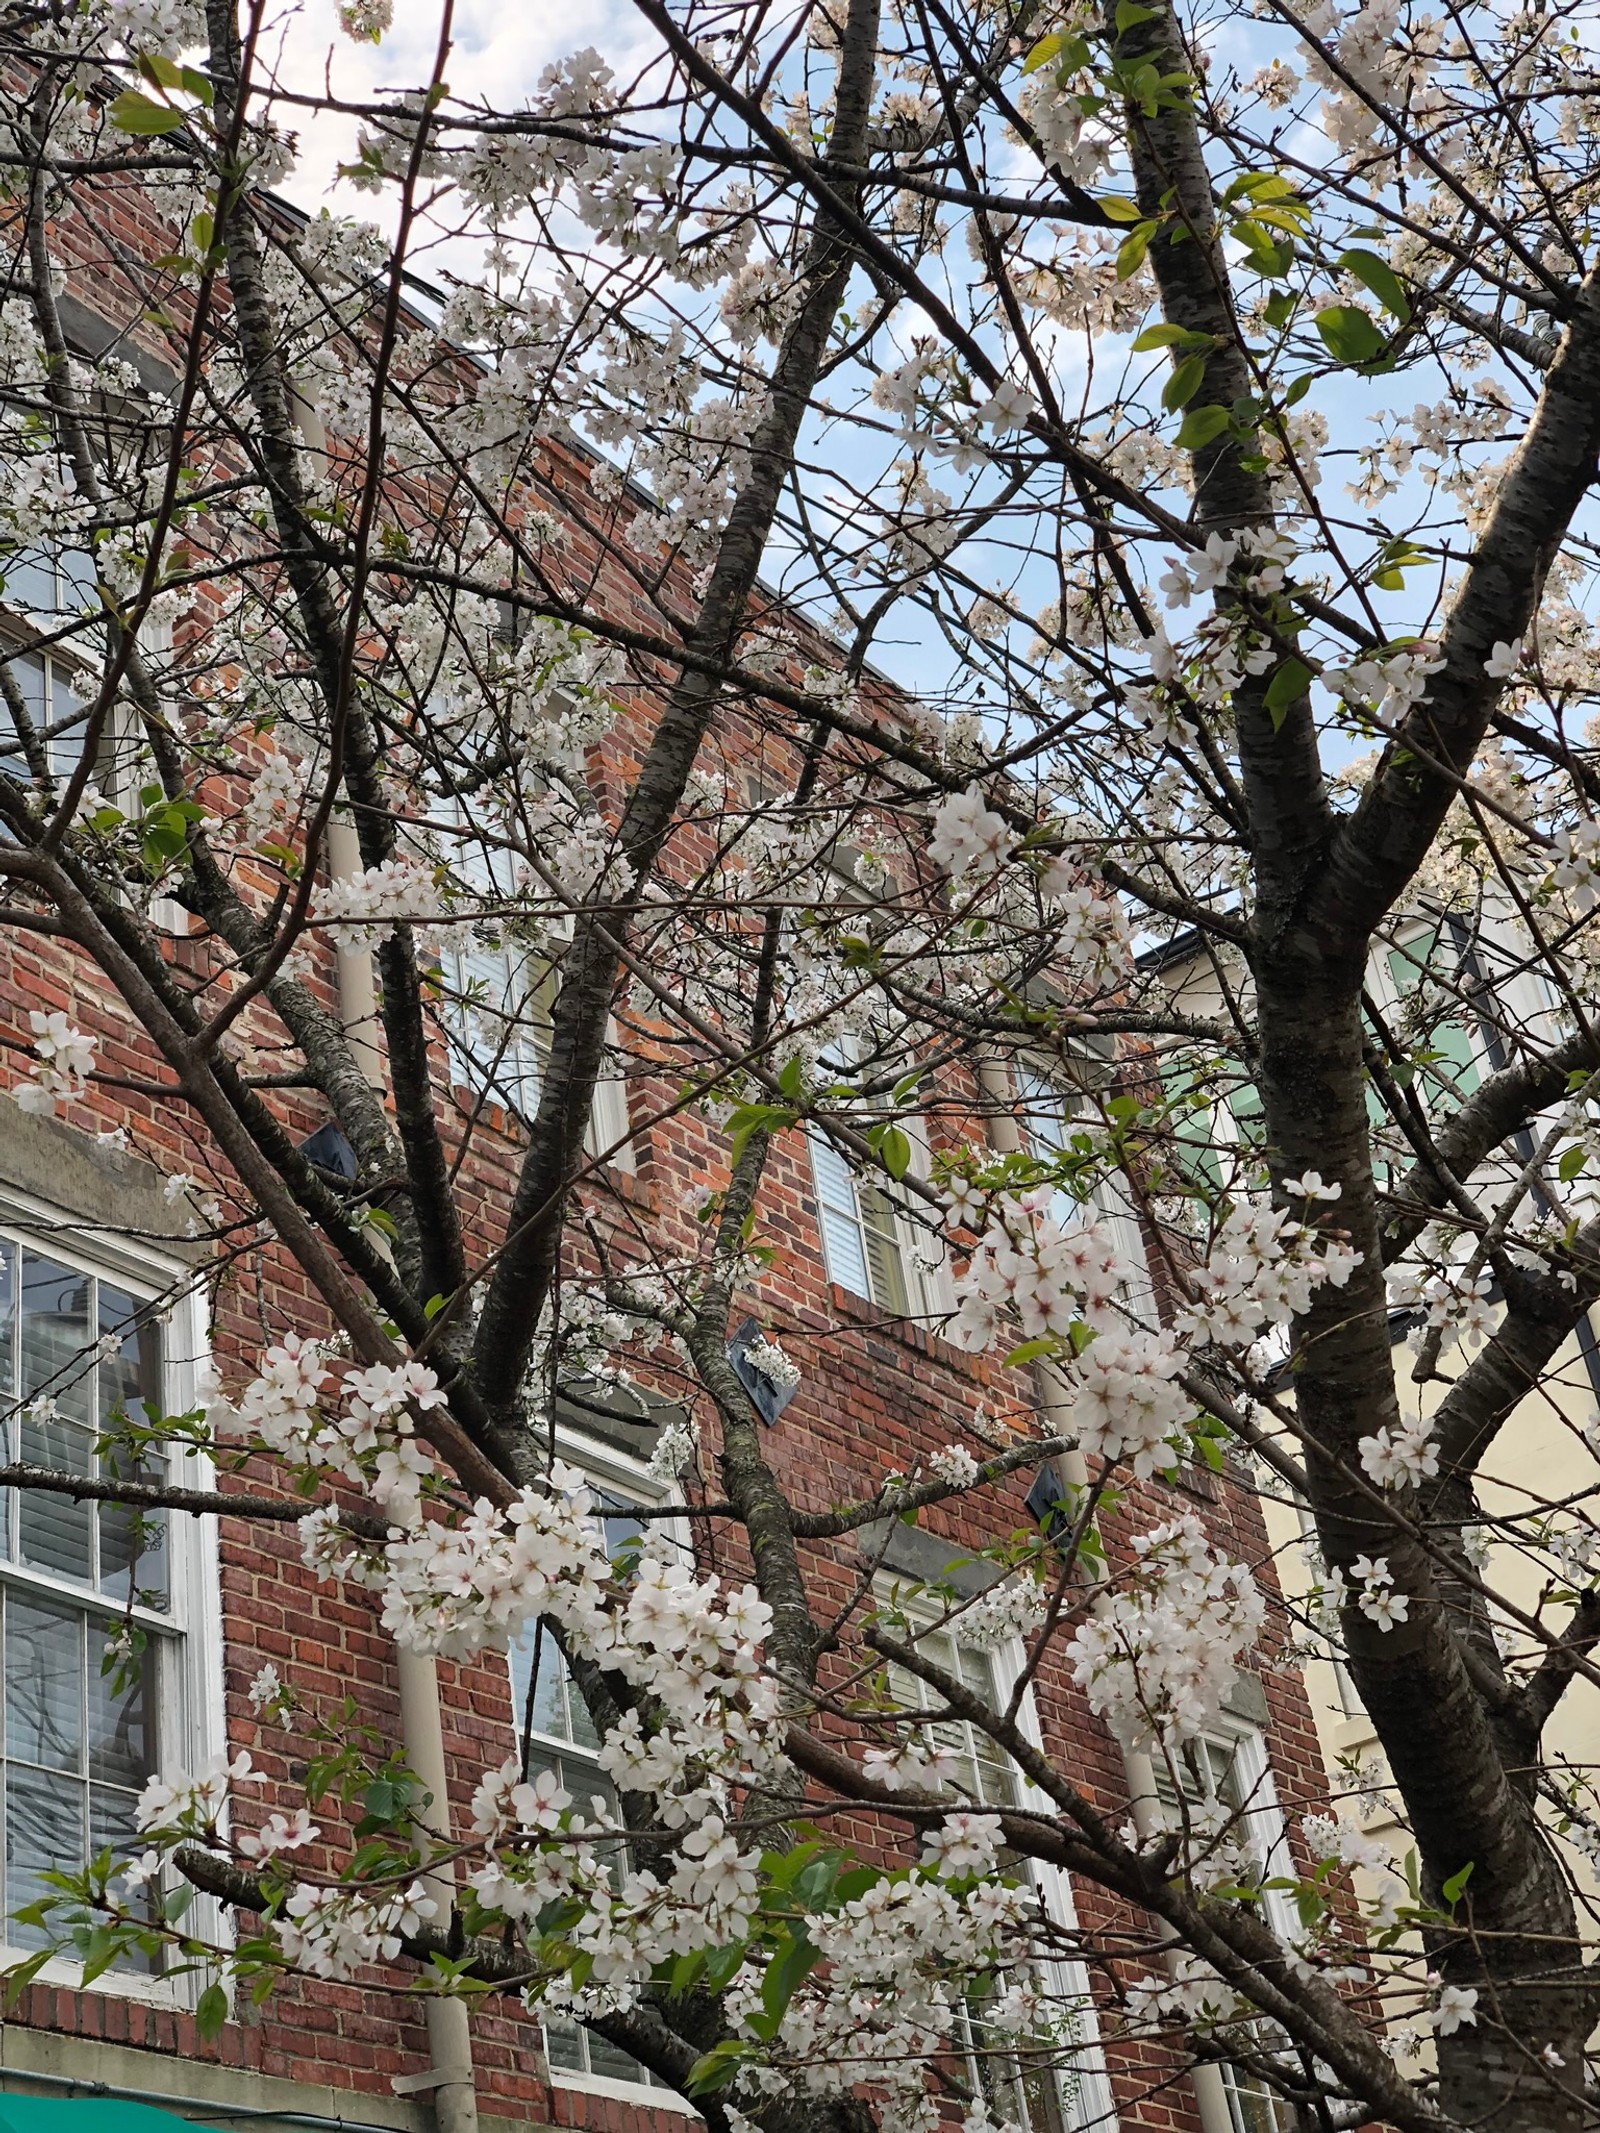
[(1210, 2093), (449, 2073)]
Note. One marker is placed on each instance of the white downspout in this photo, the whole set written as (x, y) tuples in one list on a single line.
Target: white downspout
[(449, 2074), (1210, 2092)]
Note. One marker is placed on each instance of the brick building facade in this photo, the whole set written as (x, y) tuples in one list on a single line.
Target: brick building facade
[(95, 1235)]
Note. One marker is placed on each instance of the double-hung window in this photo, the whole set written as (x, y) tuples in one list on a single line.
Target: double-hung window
[(1045, 1115), (498, 991), (867, 1242), (1227, 1775), (1058, 2085), (871, 1243), (554, 1726), (105, 1682)]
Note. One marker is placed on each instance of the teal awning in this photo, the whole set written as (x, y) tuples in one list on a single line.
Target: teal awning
[(88, 2114)]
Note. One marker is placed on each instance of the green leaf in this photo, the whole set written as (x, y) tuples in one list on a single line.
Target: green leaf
[(1270, 256), (1201, 426), (1044, 51), (1131, 251), (1116, 209), (1287, 686), (1258, 185), (1572, 1162), (22, 1976), (134, 112), (211, 2011), (1162, 336), (1130, 14), (722, 1964), (1377, 275), (895, 1150), (791, 1079), (715, 2068), (784, 1975), (1280, 307), (1451, 1892), (1184, 383), (1030, 1352), (1350, 334)]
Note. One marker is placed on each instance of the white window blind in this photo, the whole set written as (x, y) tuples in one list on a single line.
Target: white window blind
[(80, 1350), (1060, 2086)]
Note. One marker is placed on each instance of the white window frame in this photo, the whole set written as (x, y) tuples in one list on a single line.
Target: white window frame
[(517, 1078), (1265, 1831), (1110, 1202), (191, 1729), (1092, 2107), (622, 1475), (928, 1289)]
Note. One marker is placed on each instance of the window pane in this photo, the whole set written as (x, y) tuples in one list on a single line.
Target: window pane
[(121, 1718), (549, 1695), (1046, 1113), (56, 1355), (30, 581), (563, 2043), (53, 1532), (44, 1833), (133, 1551), (580, 1726), (843, 1247), (882, 1239), (130, 1357), (44, 1684), (132, 1547), (112, 1829), (609, 2059)]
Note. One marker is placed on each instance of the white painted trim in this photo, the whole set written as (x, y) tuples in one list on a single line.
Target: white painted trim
[(611, 1468), (191, 1726), (635, 2092), (1093, 2109)]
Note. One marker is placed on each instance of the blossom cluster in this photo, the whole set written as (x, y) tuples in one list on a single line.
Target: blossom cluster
[(368, 1437), (62, 1063), (1159, 1655)]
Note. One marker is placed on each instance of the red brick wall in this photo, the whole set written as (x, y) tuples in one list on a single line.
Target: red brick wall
[(873, 1399)]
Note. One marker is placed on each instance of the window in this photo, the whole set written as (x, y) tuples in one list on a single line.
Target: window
[(1031, 2090), (870, 1243), (1045, 1120), (499, 993), (862, 1241), (1230, 1772), (550, 1714), (80, 1348), (499, 1015)]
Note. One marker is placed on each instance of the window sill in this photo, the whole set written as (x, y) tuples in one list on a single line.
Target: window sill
[(508, 1126), (638, 2093), (173, 1994), (861, 1311)]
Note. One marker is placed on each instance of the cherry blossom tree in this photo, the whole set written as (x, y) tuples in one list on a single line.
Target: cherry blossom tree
[(879, 564)]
